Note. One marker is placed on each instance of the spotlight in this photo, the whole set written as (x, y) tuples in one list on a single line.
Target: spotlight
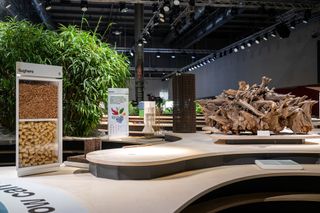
[(162, 19), (166, 6), (193, 57), (158, 55), (204, 63), (140, 43), (161, 13), (293, 25), (306, 17), (48, 5), (235, 49), (163, 73), (283, 30), (144, 40), (249, 44), (84, 5), (273, 34), (189, 69), (8, 6), (117, 32), (242, 46), (257, 41), (122, 7), (213, 59), (265, 37), (198, 66), (173, 56), (131, 53), (208, 61), (176, 2)]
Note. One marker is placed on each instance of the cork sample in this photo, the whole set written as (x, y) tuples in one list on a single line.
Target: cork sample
[(38, 100), (37, 143)]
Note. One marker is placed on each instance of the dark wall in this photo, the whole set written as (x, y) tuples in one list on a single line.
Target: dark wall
[(289, 62)]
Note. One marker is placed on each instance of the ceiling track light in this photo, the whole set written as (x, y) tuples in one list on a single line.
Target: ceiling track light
[(293, 25), (176, 2), (144, 41), (193, 57), (131, 53), (166, 6), (273, 34), (306, 17), (84, 5), (257, 41), (235, 49), (158, 55), (242, 47), (265, 37), (173, 56), (249, 44), (140, 43), (117, 32), (48, 5), (161, 13), (122, 7), (8, 6)]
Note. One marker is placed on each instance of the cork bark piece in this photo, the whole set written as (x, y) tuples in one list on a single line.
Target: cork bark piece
[(38, 100)]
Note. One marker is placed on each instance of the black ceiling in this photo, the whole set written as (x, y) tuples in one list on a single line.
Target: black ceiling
[(203, 26), (243, 22)]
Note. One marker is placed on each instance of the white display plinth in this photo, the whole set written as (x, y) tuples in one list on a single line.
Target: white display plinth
[(149, 117)]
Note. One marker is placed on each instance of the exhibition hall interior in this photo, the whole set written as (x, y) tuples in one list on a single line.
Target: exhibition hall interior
[(159, 106)]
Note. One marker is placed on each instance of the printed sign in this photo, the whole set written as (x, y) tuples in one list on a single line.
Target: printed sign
[(118, 115), (21, 196)]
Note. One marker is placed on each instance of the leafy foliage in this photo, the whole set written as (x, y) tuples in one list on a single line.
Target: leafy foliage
[(90, 67), (133, 110), (198, 109)]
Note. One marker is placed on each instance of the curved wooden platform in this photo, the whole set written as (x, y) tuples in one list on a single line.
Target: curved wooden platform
[(193, 151)]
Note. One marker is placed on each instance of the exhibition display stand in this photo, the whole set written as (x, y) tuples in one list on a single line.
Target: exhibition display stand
[(38, 118)]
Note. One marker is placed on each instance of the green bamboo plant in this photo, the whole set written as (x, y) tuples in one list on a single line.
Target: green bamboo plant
[(90, 67)]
